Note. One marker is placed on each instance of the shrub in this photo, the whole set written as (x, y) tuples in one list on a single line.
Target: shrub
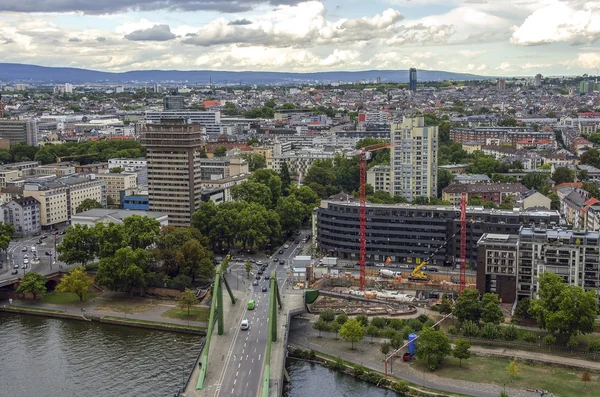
[(358, 370), (389, 333), (338, 364), (549, 339), (522, 309), (428, 324), (401, 387), (342, 318), (423, 317), (510, 333), (490, 331), (529, 337), (594, 345), (470, 329), (379, 322), (364, 320), (397, 323), (572, 343), (415, 324), (406, 331), (452, 330), (327, 315)]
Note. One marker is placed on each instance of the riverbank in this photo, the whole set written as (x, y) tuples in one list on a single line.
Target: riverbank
[(130, 322)]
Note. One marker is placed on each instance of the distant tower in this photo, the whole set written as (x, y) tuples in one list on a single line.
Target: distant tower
[(538, 80), (501, 84), (412, 76), (1, 107), (378, 80)]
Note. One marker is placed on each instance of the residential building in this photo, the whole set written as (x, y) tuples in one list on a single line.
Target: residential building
[(116, 183), (412, 79), (24, 215), (298, 162), (497, 265), (572, 254), (374, 117), (379, 178), (9, 175), (135, 198), (494, 192), (101, 215), (129, 165), (224, 184), (533, 199), (19, 131), (60, 198), (287, 115), (413, 159), (579, 145), (470, 179), (405, 232), (509, 135), (173, 102), (173, 155), (471, 147)]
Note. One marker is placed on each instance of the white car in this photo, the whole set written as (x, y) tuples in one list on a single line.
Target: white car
[(245, 325), (286, 246), (33, 248), (25, 261), (25, 256)]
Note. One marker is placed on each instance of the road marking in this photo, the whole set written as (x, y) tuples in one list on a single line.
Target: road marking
[(232, 390), (234, 381), (252, 361), (259, 356), (246, 357), (243, 351), (236, 373), (249, 372)]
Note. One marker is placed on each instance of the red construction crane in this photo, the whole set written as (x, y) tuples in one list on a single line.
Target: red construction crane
[(364, 154), (463, 243)]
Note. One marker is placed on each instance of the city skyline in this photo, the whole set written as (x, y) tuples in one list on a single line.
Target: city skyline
[(490, 38)]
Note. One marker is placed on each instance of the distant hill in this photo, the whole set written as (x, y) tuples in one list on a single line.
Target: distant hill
[(22, 72)]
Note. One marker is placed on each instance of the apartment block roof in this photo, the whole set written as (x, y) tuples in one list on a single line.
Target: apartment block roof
[(486, 188)]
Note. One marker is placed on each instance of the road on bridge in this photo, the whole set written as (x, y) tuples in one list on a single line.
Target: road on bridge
[(243, 370)]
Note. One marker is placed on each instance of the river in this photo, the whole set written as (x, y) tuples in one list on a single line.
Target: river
[(308, 379), (67, 358)]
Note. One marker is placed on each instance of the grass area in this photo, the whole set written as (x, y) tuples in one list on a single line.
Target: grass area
[(195, 314), (562, 382), (133, 320), (129, 306), (36, 309), (66, 298)]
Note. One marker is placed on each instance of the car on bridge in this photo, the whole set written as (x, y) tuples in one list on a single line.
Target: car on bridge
[(14, 272), (245, 325), (251, 304)]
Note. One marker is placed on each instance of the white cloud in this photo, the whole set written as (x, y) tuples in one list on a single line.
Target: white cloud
[(471, 53), (504, 66), (560, 22), (588, 60)]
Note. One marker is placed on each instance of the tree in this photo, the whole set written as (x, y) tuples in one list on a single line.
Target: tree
[(76, 281), (251, 141), (564, 309), (327, 315), (522, 309), (187, 300), (491, 312), (334, 326), (116, 170), (508, 122), (142, 231), (220, 151), (467, 306), (256, 161), (563, 175), (591, 157), (445, 306), (513, 370), (372, 331), (252, 192), (536, 180), (461, 350), (111, 237), (586, 378), (79, 245), (291, 212), (248, 268), (87, 204), (270, 179), (34, 283), (194, 259), (385, 348), (284, 174), (128, 269), (321, 325), (445, 178), (432, 347), (591, 189), (352, 331), (6, 232), (554, 201), (341, 318)]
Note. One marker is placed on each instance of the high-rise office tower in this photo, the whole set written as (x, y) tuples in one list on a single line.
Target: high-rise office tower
[(501, 84), (538, 80), (19, 131), (413, 79), (173, 102), (413, 171), (173, 156)]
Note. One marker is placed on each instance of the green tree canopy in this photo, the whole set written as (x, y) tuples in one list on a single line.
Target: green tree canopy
[(270, 179), (563, 175), (537, 180), (491, 312), (291, 213), (187, 300), (286, 180), (220, 151), (256, 161), (591, 157), (77, 282), (128, 269), (352, 331), (87, 204), (467, 307), (33, 283), (461, 350), (79, 245), (6, 232), (432, 347), (252, 192)]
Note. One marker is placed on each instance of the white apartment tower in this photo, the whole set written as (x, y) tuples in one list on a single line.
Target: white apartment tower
[(414, 149)]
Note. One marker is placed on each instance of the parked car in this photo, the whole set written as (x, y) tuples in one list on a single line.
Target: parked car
[(258, 277), (267, 277), (255, 282), (379, 265), (432, 269), (24, 249), (63, 233), (48, 253), (25, 256), (280, 252), (16, 266), (54, 233), (14, 272), (286, 246), (296, 242), (275, 259), (282, 262), (25, 261), (298, 232), (264, 288), (260, 271)]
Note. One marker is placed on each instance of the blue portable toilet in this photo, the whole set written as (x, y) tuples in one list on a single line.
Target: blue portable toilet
[(411, 344)]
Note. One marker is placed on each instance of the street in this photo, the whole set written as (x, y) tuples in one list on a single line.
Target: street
[(242, 373), (44, 264)]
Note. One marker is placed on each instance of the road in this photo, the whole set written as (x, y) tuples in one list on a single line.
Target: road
[(242, 373), (15, 255)]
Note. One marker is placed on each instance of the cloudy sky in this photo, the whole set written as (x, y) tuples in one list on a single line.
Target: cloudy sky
[(488, 37)]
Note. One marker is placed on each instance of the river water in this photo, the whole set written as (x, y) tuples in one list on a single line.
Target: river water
[(308, 379), (67, 358)]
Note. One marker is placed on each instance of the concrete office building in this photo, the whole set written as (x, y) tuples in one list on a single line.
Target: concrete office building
[(412, 77), (510, 264), (116, 183), (538, 80), (413, 159), (501, 85), (211, 121), (129, 165), (173, 155), (406, 232), (173, 102), (24, 215), (19, 131)]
